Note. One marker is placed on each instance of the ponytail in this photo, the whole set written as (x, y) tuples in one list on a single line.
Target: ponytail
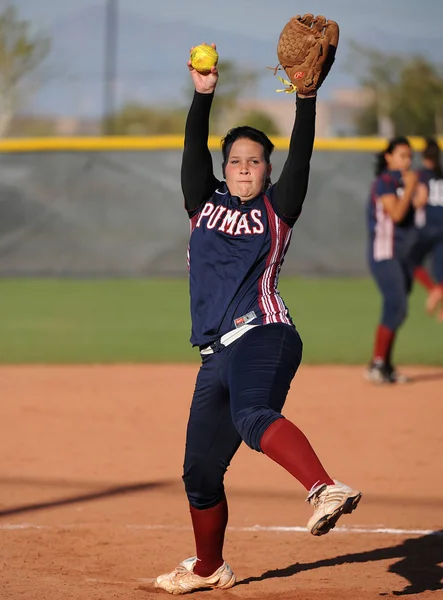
[(380, 163)]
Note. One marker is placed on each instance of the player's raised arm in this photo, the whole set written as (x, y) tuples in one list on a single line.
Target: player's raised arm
[(291, 188), (306, 50), (197, 176)]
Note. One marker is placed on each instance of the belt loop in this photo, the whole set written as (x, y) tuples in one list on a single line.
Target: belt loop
[(217, 346)]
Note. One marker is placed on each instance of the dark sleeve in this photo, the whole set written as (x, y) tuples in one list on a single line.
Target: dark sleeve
[(385, 185), (423, 176), (290, 189), (197, 176)]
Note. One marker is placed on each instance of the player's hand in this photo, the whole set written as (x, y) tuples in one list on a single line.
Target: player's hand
[(410, 178), (204, 83)]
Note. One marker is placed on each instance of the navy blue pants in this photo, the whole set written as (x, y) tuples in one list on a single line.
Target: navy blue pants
[(394, 280), (430, 243), (240, 390)]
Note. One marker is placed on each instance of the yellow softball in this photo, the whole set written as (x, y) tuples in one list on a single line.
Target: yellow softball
[(203, 58)]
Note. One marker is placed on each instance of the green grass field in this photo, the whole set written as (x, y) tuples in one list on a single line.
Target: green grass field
[(133, 321)]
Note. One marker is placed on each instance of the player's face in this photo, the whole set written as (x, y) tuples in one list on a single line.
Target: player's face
[(246, 169), (400, 158)]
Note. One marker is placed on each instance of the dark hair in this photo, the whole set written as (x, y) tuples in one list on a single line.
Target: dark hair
[(432, 153), (249, 133), (380, 160)]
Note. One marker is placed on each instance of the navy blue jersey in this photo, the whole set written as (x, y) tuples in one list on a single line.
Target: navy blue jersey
[(235, 254), (236, 249), (388, 239), (433, 211)]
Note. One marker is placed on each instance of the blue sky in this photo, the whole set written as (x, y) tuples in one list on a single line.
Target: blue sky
[(261, 17), (244, 30)]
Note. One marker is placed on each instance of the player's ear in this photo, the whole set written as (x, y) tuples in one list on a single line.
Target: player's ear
[(224, 170), (267, 181)]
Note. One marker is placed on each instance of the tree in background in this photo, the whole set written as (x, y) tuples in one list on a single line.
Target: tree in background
[(260, 120), (21, 52), (230, 87), (407, 93), (137, 119), (236, 81), (32, 126), (134, 118), (418, 98)]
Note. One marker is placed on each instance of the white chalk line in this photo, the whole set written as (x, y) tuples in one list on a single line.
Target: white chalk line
[(140, 580), (380, 530), (287, 529)]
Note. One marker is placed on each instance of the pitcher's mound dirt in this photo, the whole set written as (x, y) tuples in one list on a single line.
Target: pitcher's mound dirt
[(92, 505)]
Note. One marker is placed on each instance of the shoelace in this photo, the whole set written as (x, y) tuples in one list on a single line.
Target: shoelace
[(316, 501), (326, 497), (181, 570)]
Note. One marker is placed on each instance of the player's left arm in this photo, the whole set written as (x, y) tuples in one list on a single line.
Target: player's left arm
[(292, 185)]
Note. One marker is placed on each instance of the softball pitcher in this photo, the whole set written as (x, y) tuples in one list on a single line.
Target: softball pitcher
[(250, 349)]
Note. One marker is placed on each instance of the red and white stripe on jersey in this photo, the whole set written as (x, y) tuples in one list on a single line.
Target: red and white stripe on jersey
[(192, 223), (420, 217), (383, 247), (270, 302)]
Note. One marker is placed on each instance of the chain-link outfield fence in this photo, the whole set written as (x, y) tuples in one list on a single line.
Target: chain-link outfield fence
[(90, 212)]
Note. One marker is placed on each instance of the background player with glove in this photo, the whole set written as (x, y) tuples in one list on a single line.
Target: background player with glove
[(250, 348), (392, 236)]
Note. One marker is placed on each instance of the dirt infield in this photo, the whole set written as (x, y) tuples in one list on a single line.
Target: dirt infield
[(92, 506)]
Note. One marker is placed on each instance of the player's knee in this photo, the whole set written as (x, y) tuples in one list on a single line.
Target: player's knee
[(203, 482), (402, 314), (395, 314), (251, 424)]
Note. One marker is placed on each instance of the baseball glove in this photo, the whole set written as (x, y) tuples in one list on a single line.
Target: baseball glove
[(306, 51)]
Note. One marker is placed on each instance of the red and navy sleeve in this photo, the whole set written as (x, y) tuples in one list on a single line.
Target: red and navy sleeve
[(385, 185), (197, 175), (290, 190)]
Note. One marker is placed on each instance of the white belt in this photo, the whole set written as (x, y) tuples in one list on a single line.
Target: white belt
[(227, 339)]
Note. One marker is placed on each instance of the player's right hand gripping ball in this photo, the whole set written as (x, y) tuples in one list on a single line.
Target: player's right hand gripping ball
[(306, 50), (203, 58)]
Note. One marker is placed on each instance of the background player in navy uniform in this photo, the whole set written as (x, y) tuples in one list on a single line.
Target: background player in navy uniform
[(429, 220), (392, 235), (240, 232)]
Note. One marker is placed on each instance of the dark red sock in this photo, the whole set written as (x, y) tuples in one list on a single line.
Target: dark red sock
[(421, 275), (384, 340), (285, 444), (390, 350), (209, 526)]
